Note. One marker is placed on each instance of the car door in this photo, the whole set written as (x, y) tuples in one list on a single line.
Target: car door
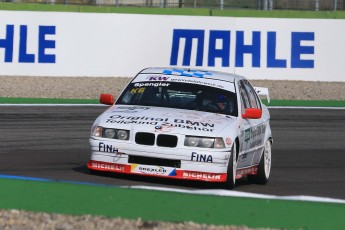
[(245, 155), (258, 126)]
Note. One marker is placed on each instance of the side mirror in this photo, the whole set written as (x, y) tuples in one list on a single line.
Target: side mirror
[(252, 113), (106, 99)]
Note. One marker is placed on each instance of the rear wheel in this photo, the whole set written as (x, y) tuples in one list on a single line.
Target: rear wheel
[(231, 173), (264, 167)]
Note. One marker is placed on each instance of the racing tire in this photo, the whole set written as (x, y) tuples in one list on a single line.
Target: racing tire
[(264, 167), (231, 171)]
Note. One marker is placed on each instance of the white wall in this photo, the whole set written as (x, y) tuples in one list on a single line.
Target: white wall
[(90, 44)]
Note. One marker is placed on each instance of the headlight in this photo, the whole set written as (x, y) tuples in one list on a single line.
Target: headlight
[(96, 131), (109, 133), (207, 142), (204, 142), (219, 143), (120, 134), (191, 141)]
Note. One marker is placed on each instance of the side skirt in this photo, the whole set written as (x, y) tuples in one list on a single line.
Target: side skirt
[(243, 172)]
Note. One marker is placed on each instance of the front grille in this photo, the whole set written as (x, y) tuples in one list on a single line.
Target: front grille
[(154, 161), (145, 138), (167, 140)]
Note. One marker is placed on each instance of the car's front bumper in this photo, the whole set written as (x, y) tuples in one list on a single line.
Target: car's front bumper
[(187, 163)]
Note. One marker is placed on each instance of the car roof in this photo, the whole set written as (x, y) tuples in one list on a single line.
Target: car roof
[(192, 73)]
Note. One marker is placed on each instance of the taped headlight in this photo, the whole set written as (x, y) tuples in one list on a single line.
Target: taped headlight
[(204, 142)]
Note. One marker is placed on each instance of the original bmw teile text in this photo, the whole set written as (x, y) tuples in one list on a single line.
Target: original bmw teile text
[(180, 123)]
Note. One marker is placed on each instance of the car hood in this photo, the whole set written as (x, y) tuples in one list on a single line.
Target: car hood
[(166, 120)]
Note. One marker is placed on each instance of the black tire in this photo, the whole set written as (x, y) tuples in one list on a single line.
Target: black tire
[(264, 167), (231, 172)]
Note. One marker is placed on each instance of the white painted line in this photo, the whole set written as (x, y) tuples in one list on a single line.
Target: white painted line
[(222, 192)]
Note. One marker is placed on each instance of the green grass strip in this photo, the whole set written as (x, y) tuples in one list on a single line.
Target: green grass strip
[(76, 199), (305, 103), (301, 103), (102, 9), (174, 11), (280, 14)]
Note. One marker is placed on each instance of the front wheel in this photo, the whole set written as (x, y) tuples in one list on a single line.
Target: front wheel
[(231, 172)]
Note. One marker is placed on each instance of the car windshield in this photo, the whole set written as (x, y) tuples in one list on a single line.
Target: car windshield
[(180, 96)]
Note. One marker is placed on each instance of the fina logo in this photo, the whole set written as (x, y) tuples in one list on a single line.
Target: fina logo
[(296, 58)]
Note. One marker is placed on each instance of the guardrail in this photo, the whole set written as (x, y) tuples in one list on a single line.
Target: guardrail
[(308, 5)]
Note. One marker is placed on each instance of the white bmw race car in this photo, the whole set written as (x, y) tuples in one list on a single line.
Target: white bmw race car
[(185, 124)]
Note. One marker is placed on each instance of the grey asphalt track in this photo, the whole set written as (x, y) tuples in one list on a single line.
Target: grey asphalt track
[(52, 143)]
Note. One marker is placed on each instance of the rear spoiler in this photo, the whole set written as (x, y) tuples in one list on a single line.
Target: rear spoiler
[(263, 92)]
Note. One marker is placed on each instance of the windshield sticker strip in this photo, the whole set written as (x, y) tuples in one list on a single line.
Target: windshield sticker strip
[(187, 73), (160, 79)]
